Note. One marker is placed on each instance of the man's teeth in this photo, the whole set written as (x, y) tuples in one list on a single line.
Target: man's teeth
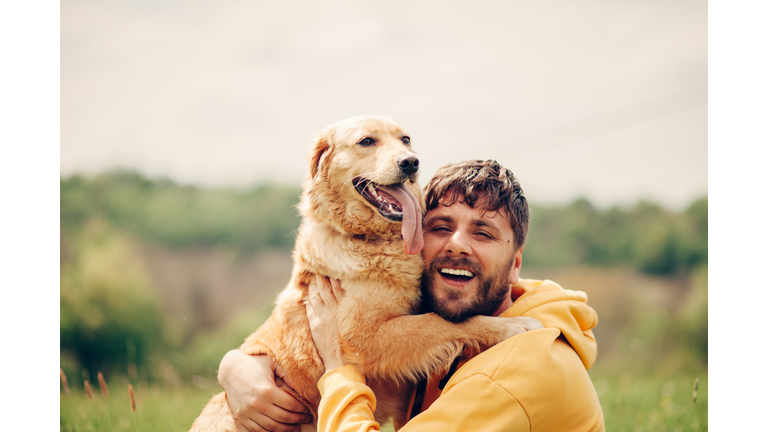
[(457, 272)]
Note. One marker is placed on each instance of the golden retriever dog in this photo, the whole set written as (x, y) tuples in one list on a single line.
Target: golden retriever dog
[(362, 211)]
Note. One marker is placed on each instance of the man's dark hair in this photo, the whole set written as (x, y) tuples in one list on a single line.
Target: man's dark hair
[(467, 181)]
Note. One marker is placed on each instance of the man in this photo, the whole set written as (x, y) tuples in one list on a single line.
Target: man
[(474, 234)]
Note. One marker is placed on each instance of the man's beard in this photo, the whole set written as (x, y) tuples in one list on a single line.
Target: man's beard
[(491, 291)]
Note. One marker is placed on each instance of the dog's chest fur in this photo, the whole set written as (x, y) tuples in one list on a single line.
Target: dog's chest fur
[(320, 249)]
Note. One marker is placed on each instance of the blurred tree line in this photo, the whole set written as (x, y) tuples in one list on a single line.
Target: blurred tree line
[(163, 212), (111, 315), (646, 237)]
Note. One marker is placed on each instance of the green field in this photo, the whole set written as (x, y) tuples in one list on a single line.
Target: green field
[(631, 403), (157, 408), (636, 402)]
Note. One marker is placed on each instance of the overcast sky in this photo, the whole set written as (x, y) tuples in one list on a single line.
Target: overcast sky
[(593, 98)]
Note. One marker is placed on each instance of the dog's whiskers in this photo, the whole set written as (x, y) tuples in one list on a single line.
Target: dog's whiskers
[(371, 177)]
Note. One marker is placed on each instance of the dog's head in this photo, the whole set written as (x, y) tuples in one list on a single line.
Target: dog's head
[(363, 179)]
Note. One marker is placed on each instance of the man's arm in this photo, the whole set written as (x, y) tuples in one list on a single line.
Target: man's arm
[(253, 391)]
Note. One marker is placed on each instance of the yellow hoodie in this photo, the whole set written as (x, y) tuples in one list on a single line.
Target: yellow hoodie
[(535, 381)]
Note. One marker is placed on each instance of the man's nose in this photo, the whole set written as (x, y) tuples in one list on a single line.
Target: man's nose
[(458, 244)]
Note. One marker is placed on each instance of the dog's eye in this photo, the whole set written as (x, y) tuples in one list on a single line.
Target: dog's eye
[(406, 140), (365, 142)]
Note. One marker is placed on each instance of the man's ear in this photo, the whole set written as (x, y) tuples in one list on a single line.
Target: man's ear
[(514, 272), (317, 149)]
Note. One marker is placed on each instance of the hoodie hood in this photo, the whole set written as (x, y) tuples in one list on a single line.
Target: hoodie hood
[(555, 307)]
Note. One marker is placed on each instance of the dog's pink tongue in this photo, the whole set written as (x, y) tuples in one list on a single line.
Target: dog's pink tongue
[(412, 234)]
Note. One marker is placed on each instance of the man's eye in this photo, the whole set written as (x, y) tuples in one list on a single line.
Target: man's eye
[(483, 234), (406, 140), (365, 142)]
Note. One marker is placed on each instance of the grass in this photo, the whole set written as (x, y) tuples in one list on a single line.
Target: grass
[(631, 402), (638, 402), (163, 409)]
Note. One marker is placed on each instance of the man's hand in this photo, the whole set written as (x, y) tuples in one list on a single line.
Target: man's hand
[(253, 391), (324, 295)]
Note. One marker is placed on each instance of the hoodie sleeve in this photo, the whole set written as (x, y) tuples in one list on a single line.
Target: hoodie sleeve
[(347, 404), (476, 403)]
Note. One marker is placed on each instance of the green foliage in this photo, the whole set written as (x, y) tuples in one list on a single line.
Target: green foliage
[(646, 237), (664, 339), (110, 314), (203, 355), (696, 228), (163, 212), (693, 319)]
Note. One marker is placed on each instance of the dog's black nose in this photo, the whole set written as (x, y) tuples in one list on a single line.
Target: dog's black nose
[(408, 164)]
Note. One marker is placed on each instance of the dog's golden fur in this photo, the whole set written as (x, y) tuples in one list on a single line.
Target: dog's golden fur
[(343, 236)]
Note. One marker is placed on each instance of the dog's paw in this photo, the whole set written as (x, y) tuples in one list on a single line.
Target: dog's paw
[(529, 323), (518, 325)]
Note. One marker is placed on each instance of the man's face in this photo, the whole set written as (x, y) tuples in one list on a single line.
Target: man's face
[(470, 261)]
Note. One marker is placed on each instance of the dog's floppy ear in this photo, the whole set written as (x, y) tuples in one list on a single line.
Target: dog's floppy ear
[(318, 147)]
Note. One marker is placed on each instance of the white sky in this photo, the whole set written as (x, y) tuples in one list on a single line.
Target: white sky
[(594, 98)]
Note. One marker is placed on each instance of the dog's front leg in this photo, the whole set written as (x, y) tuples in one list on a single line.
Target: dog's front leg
[(410, 346)]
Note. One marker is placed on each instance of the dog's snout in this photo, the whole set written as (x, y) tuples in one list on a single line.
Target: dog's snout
[(408, 164)]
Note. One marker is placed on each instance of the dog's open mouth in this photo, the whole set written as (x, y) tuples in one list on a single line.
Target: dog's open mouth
[(396, 203), (388, 206)]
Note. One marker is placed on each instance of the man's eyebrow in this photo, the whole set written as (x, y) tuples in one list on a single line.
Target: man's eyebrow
[(482, 223), (440, 218)]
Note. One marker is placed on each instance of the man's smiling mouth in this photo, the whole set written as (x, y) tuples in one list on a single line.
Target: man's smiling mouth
[(458, 275)]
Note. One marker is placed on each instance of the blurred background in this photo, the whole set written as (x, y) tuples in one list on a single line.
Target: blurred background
[(184, 130)]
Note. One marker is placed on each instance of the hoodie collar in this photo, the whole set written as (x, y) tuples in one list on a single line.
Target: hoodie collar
[(555, 307)]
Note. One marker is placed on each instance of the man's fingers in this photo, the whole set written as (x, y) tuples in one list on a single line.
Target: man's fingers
[(324, 289), (313, 291), (268, 417), (338, 291), (311, 315), (286, 401), (315, 295), (264, 423), (280, 415), (242, 428), (313, 302), (284, 382)]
